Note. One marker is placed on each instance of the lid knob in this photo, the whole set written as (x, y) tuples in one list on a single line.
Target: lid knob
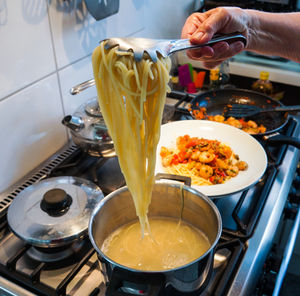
[(56, 202)]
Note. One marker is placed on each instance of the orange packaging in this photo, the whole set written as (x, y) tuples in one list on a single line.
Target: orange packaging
[(200, 79)]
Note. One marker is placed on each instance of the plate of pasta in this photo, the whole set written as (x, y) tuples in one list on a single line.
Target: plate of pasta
[(219, 159)]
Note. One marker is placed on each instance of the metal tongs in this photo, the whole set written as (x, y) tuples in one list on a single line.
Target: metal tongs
[(165, 47), (155, 47)]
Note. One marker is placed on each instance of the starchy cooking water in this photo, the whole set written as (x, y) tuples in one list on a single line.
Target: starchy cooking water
[(171, 244)]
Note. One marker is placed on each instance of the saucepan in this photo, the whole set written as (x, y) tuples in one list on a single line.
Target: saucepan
[(118, 209), (217, 101), (89, 131)]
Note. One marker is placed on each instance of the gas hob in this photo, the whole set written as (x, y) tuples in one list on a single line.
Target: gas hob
[(250, 219)]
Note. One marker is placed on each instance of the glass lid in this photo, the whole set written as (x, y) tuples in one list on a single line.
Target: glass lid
[(54, 211)]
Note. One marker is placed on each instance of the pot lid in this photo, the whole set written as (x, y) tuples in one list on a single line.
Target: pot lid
[(54, 211), (92, 108)]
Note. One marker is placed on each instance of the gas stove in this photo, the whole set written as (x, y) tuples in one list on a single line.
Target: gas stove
[(250, 219)]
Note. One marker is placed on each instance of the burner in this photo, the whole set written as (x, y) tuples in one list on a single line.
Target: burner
[(52, 255)]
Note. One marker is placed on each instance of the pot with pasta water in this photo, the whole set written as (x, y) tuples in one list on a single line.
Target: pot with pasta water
[(175, 252)]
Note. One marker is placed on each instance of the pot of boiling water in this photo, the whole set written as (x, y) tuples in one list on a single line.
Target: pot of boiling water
[(169, 200)]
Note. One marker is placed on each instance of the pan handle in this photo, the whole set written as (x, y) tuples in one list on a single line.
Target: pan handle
[(287, 108), (276, 139), (75, 90)]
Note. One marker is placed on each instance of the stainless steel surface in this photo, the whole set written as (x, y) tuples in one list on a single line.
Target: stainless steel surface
[(82, 86), (89, 131), (118, 209), (74, 123), (8, 288), (165, 47), (287, 254), (260, 243)]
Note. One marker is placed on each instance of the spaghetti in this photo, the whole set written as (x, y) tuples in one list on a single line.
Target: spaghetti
[(131, 96)]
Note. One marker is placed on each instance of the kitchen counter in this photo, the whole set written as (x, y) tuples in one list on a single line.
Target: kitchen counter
[(281, 70)]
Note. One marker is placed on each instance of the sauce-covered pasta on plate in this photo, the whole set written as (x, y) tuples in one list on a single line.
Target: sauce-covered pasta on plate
[(206, 161)]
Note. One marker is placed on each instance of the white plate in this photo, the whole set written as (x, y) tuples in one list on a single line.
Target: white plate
[(248, 149)]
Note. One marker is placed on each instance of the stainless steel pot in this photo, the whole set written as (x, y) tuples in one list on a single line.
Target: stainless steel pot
[(117, 209), (88, 130)]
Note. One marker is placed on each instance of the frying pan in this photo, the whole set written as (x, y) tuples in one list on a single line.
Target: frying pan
[(216, 102)]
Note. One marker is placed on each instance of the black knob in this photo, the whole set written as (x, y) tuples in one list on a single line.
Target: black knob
[(56, 202)]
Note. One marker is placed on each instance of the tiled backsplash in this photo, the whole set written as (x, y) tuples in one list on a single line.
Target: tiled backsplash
[(46, 48)]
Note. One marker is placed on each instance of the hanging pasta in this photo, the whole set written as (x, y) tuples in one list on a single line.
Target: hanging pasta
[(131, 97)]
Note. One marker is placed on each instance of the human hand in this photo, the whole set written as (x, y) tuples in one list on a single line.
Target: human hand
[(200, 28)]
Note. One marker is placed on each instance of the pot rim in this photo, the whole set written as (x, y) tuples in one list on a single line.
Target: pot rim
[(172, 184)]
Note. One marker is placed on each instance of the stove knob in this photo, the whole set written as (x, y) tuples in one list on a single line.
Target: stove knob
[(56, 202)]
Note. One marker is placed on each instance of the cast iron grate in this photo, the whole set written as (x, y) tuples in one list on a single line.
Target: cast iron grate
[(32, 282)]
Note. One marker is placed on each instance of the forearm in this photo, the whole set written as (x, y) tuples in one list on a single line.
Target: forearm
[(274, 34)]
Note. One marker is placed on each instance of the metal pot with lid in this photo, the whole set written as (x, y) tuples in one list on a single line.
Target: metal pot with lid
[(54, 212), (88, 130)]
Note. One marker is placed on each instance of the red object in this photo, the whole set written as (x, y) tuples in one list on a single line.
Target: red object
[(184, 75), (191, 88), (200, 79)]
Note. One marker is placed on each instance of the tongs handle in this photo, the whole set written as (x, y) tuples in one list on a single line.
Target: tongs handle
[(183, 44), (179, 44)]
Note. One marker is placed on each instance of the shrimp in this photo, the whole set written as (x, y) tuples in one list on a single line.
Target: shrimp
[(232, 171), (234, 122), (195, 155), (181, 142), (164, 151), (242, 165), (225, 151), (221, 164), (219, 118), (205, 171), (166, 161), (206, 157), (252, 124)]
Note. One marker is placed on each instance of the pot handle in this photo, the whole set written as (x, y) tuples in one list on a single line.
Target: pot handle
[(75, 90), (155, 283), (277, 139), (186, 180)]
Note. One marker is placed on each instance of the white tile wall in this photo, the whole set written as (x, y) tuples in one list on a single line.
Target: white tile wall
[(165, 19), (46, 48), (76, 33), (26, 52), (71, 76), (30, 129)]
